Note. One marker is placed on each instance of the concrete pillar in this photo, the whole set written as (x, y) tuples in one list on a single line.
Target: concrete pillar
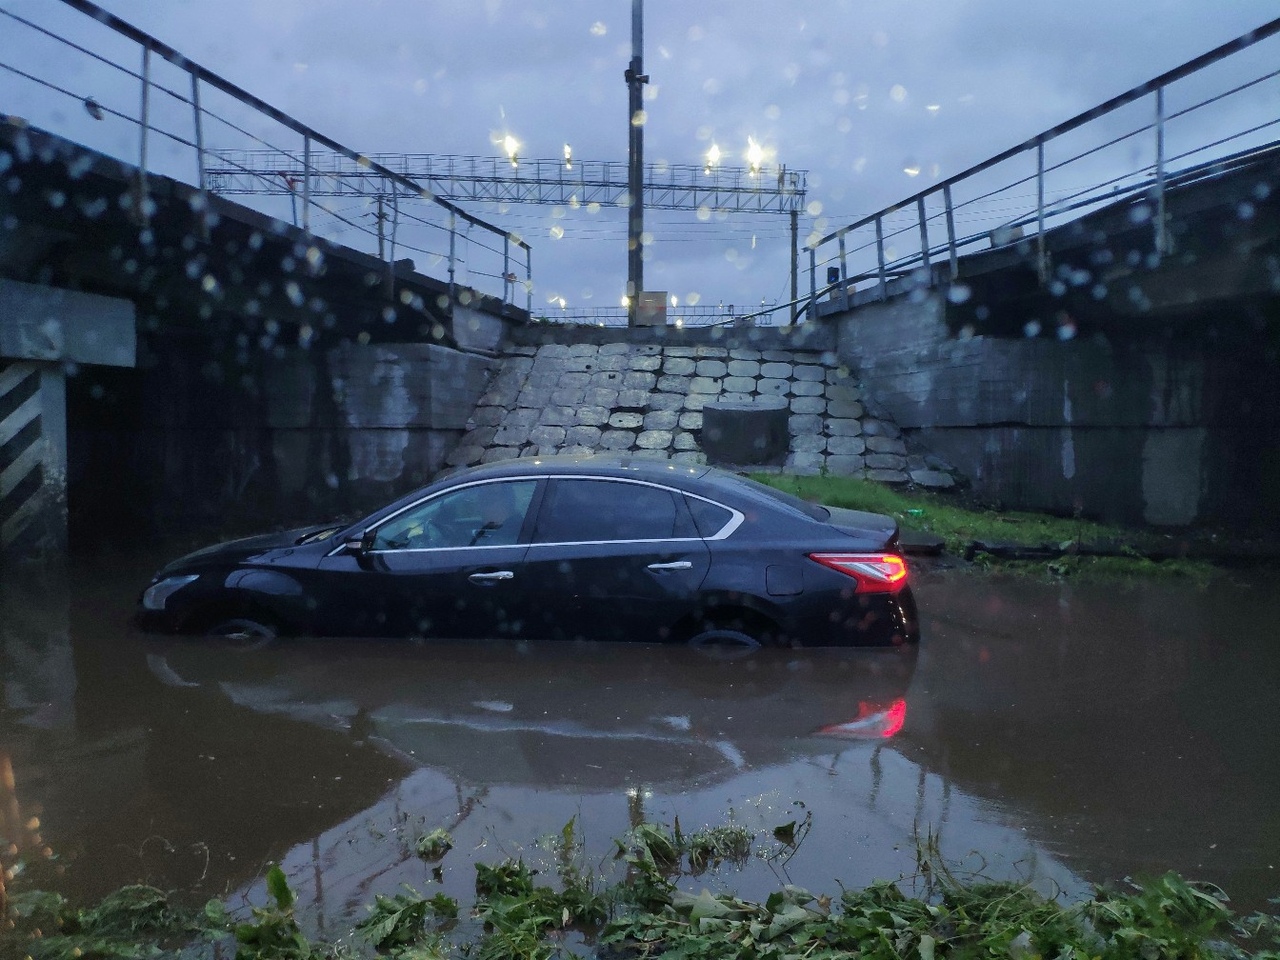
[(33, 459), (42, 331)]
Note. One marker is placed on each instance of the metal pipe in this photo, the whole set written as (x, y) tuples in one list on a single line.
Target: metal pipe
[(924, 233), (844, 274), (306, 183), (813, 284), (795, 254), (528, 280), (199, 122), (636, 79), (951, 233), (884, 292), (1161, 237), (453, 237), (144, 125), (506, 269), (1042, 266)]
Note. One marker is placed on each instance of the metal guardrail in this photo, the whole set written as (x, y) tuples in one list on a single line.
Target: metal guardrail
[(679, 317), (999, 211), (175, 111)]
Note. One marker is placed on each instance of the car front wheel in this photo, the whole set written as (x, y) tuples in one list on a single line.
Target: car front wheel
[(243, 633)]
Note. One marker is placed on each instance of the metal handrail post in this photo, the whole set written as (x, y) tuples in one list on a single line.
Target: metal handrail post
[(306, 183), (1161, 237), (951, 233), (144, 126), (924, 234), (844, 274), (506, 269), (812, 309), (884, 290), (453, 242), (1042, 266), (201, 176), (199, 131)]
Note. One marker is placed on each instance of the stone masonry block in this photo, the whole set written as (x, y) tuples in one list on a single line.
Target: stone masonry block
[(846, 446)]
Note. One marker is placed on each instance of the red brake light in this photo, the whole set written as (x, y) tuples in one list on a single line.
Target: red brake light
[(875, 572)]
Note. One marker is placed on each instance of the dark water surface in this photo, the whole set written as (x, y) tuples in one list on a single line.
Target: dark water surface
[(1068, 732)]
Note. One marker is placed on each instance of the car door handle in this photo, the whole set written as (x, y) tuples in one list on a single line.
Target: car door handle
[(677, 565), (491, 577)]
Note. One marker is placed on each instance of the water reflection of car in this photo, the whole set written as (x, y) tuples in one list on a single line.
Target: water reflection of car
[(597, 715), (556, 548)]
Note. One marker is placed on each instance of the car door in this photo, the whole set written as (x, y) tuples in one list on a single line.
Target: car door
[(447, 566), (612, 559)]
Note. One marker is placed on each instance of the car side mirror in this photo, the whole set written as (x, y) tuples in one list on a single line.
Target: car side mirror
[(360, 545)]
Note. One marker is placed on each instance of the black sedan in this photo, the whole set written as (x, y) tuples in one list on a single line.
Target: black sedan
[(560, 548)]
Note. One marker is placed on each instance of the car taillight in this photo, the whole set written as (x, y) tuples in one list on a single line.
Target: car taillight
[(875, 572)]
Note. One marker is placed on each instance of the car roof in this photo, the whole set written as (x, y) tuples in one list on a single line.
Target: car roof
[(640, 468)]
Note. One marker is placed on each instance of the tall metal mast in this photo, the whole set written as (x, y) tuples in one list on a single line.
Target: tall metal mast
[(636, 78)]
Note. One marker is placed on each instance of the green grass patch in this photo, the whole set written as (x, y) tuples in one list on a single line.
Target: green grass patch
[(960, 525)]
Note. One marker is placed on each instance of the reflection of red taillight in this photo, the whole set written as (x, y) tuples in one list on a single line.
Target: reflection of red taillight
[(894, 718), (875, 572), (873, 722)]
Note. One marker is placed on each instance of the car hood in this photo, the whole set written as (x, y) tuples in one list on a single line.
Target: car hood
[(881, 531), (236, 551)]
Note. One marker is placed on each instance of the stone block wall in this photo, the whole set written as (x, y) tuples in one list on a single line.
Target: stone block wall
[(647, 400)]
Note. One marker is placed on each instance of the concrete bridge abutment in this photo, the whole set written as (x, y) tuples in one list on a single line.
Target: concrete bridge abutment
[(1164, 424), (45, 333)]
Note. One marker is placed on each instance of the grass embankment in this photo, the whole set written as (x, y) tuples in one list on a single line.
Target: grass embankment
[(932, 916), (1012, 540)]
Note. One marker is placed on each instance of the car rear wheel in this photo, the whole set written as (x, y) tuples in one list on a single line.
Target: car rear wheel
[(243, 633), (722, 643)]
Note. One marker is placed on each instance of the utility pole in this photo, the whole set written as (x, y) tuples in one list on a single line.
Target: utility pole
[(636, 79)]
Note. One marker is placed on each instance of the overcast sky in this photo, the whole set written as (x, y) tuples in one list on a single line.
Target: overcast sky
[(856, 92)]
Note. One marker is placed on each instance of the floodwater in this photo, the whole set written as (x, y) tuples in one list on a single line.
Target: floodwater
[(1067, 733)]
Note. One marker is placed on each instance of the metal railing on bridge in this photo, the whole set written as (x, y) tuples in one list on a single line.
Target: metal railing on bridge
[(1020, 194), (161, 115), (697, 315)]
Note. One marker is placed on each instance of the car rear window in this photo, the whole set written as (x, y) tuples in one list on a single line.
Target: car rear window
[(813, 511)]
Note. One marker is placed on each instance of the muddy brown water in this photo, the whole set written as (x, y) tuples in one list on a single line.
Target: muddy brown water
[(1068, 733)]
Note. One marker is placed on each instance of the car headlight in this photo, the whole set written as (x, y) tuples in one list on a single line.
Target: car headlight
[(154, 597)]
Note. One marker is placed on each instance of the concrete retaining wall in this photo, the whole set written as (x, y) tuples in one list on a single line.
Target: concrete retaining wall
[(1166, 428)]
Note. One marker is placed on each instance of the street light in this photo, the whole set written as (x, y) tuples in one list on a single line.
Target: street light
[(511, 147), (755, 155), (713, 157)]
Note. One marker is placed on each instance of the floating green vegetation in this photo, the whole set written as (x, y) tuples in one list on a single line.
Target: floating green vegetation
[(434, 845), (1073, 547), (933, 916)]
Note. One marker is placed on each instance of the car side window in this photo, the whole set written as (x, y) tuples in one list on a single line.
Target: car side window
[(589, 511), (484, 515), (710, 518)]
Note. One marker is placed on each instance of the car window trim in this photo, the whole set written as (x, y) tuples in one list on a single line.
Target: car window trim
[(734, 522), (534, 503)]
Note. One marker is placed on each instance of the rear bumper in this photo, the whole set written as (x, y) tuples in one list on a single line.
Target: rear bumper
[(873, 619)]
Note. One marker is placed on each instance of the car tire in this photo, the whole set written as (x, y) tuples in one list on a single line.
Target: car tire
[(724, 643), (243, 633)]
